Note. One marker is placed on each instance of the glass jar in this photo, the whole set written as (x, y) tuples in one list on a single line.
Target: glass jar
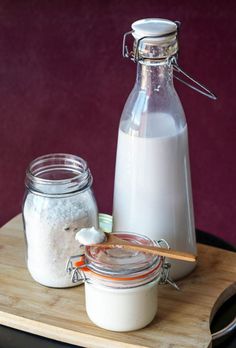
[(58, 202), (120, 286)]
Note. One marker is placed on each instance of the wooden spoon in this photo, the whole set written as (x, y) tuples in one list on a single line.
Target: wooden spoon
[(114, 242)]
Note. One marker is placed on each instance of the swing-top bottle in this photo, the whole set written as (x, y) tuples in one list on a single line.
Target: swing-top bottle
[(152, 191)]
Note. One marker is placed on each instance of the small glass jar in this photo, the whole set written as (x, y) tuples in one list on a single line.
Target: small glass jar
[(120, 285), (58, 202)]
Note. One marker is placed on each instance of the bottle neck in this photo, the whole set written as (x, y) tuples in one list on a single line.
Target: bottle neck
[(153, 78)]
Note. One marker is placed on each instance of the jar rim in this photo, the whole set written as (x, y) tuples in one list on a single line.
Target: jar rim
[(58, 173), (89, 275), (135, 276)]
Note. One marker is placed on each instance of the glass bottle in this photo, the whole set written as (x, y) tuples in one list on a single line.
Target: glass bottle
[(58, 202), (152, 191)]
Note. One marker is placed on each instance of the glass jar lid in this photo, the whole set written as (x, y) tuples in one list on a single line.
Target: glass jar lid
[(118, 262)]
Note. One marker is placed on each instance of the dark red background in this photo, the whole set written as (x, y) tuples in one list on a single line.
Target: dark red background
[(63, 84)]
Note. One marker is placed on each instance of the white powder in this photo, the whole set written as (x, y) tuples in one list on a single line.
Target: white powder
[(50, 227), (90, 236)]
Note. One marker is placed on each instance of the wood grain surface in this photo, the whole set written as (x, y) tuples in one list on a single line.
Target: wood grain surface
[(182, 320)]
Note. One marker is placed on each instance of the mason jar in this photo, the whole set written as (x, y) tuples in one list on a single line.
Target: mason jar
[(58, 202), (121, 286)]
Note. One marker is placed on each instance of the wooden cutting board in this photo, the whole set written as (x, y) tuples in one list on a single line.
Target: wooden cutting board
[(182, 320)]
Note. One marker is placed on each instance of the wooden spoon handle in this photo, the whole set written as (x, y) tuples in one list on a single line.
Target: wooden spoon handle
[(172, 254)]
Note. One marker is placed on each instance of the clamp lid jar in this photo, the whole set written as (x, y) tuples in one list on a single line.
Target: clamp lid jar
[(120, 285)]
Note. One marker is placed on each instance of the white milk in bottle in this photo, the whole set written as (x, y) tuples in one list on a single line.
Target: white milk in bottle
[(152, 191)]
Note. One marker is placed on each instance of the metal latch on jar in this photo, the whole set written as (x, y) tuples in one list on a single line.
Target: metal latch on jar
[(172, 60), (165, 277), (78, 275)]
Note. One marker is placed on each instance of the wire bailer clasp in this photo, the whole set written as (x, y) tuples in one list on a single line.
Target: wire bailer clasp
[(135, 56), (196, 86), (164, 277), (76, 273)]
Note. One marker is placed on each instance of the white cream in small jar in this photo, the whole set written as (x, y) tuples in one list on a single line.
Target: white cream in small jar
[(121, 286)]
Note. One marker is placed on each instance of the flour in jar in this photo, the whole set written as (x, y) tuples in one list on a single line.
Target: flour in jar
[(50, 226), (152, 193)]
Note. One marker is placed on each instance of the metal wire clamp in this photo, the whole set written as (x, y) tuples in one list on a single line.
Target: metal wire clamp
[(164, 277), (76, 273), (135, 57), (202, 90)]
